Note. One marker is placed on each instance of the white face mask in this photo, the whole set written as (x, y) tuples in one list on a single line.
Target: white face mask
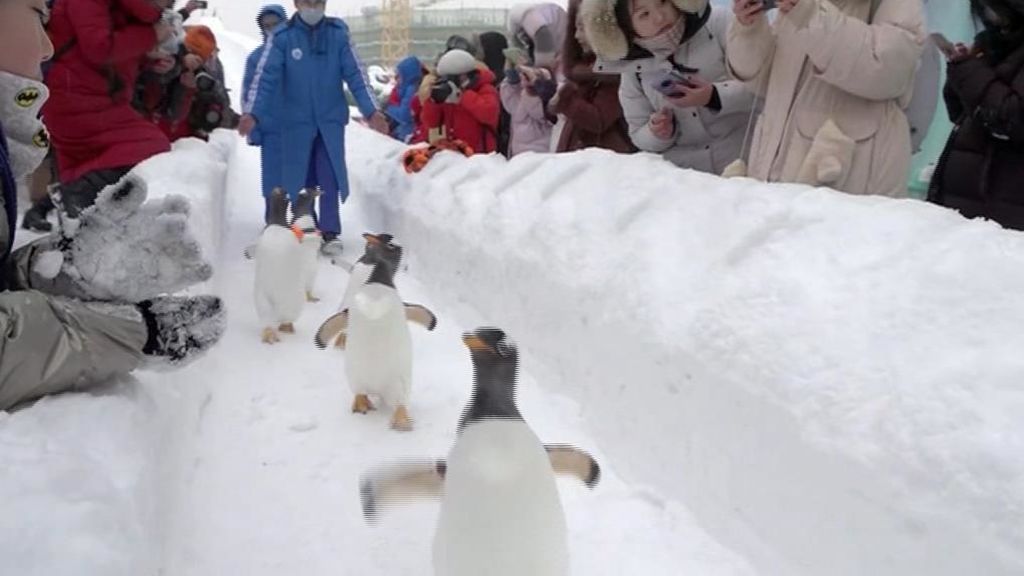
[(20, 101), (311, 16)]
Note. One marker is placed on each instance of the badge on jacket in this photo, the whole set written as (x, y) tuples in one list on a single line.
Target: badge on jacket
[(297, 54)]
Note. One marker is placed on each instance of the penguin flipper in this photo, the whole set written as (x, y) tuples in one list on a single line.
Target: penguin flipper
[(420, 315), (572, 461), (331, 327), (399, 484)]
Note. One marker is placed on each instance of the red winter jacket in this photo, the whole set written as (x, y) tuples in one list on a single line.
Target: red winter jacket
[(89, 114), (474, 119)]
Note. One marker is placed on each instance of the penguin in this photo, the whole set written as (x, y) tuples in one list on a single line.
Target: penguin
[(279, 272), (500, 510), (378, 344), (359, 273), (304, 228)]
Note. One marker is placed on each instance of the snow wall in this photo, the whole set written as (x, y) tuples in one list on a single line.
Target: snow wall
[(831, 383)]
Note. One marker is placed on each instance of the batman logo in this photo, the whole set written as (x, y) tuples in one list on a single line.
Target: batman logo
[(27, 97), (41, 139)]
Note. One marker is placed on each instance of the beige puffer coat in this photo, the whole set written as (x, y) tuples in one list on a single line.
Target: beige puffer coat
[(824, 61)]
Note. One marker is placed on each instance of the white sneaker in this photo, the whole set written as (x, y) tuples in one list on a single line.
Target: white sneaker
[(332, 247)]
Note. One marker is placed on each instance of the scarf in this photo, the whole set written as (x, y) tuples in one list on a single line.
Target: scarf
[(665, 44)]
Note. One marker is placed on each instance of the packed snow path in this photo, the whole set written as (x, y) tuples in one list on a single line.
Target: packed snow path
[(268, 484)]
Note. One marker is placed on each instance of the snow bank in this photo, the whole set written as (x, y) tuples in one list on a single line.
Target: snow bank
[(82, 476), (831, 383)]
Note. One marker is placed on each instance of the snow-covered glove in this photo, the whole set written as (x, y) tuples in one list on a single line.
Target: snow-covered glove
[(121, 249)]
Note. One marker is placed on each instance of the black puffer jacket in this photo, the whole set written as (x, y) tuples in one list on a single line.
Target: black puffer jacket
[(981, 171)]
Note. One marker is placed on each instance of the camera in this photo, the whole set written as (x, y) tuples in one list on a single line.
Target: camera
[(205, 82)]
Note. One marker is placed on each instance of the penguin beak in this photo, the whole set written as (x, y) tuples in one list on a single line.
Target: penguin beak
[(298, 232), (475, 344), (372, 240)]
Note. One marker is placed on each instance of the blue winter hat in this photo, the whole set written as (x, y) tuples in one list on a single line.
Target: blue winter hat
[(276, 10)]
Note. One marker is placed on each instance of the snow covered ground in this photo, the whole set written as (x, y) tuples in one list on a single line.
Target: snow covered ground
[(776, 380)]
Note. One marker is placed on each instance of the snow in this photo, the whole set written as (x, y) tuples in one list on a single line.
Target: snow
[(774, 379), (853, 355)]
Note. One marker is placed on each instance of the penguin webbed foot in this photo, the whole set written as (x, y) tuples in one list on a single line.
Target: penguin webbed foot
[(286, 328), (400, 420), (362, 404), (270, 336)]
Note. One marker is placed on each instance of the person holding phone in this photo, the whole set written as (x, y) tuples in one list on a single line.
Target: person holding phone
[(981, 170), (836, 76), (676, 96)]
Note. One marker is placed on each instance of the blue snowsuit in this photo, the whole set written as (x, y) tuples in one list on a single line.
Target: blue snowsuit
[(267, 135), (411, 73), (310, 64)]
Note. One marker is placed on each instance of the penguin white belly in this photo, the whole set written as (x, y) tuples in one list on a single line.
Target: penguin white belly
[(310, 250), (357, 278), (501, 514), (279, 290), (378, 353)]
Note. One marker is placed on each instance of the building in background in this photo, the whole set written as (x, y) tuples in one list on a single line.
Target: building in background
[(380, 33)]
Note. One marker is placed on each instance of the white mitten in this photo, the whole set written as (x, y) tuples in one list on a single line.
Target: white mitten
[(126, 249)]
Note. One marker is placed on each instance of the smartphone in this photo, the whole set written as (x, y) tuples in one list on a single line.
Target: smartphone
[(943, 43), (202, 4), (669, 81), (767, 5)]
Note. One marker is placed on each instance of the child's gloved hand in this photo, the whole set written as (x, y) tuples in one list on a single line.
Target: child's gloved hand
[(512, 76), (124, 248)]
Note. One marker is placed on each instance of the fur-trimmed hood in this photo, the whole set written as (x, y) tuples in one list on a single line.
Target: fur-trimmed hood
[(605, 33)]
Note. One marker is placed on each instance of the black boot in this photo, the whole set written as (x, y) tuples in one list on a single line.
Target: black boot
[(35, 217), (181, 328)]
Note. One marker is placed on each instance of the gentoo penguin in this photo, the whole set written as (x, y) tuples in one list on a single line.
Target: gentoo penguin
[(359, 273), (500, 510), (379, 348), (279, 272), (304, 228)]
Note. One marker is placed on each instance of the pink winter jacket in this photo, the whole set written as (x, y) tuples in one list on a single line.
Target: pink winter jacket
[(531, 127)]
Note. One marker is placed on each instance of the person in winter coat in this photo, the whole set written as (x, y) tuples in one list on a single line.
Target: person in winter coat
[(267, 135), (589, 101), (310, 58), (835, 87), (539, 29), (462, 103), (165, 91), (981, 171), (675, 93), (533, 76), (492, 47), (525, 93), (55, 334), (98, 135), (410, 74)]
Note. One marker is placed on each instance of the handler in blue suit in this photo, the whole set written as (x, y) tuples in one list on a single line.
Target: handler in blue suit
[(267, 136), (309, 58)]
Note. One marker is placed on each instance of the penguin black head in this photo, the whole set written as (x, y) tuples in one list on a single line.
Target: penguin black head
[(304, 203), (495, 367), (385, 256), (278, 208)]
